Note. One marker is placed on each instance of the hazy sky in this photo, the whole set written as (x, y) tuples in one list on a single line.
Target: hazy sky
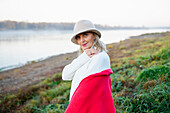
[(106, 12)]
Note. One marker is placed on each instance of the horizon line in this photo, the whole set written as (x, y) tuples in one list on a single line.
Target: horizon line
[(35, 22)]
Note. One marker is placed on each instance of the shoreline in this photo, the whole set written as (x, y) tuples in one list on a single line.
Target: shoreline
[(13, 80), (10, 67)]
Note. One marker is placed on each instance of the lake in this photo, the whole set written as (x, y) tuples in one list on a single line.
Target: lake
[(19, 47)]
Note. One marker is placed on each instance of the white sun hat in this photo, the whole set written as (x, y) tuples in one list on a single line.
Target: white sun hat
[(84, 26)]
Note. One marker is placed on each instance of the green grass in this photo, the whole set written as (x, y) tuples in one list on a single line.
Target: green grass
[(141, 83)]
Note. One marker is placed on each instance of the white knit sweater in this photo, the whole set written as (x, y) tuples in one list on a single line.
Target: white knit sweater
[(84, 66)]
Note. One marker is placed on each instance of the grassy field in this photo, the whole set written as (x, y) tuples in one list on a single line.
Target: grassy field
[(140, 81)]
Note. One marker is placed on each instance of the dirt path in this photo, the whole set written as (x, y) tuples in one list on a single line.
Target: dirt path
[(13, 80)]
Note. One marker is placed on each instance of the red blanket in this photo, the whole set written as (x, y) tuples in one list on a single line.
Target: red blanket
[(93, 95)]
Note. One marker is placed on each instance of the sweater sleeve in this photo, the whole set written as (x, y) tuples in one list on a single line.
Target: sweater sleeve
[(99, 63), (70, 69)]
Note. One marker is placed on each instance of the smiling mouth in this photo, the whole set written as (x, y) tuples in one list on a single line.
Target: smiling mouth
[(84, 44)]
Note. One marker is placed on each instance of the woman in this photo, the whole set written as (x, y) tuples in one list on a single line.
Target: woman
[(89, 72)]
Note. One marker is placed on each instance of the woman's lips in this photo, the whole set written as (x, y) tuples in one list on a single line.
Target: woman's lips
[(84, 44)]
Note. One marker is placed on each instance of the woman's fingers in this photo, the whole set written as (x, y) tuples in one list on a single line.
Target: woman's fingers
[(88, 52), (91, 52)]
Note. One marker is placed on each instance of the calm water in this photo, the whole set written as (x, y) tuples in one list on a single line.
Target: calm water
[(19, 47)]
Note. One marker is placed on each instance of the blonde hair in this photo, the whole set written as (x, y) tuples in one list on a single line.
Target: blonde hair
[(98, 45)]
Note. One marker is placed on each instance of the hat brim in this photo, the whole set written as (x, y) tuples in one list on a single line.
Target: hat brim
[(94, 30)]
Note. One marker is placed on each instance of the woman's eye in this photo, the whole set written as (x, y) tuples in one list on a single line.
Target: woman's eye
[(77, 37), (85, 34)]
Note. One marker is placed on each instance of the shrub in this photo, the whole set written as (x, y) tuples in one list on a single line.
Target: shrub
[(152, 73)]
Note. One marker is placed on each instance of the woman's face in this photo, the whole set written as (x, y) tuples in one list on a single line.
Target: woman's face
[(85, 40)]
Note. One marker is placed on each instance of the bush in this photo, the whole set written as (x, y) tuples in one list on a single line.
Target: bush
[(152, 73)]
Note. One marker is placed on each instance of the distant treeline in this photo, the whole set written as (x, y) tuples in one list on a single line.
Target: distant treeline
[(14, 25)]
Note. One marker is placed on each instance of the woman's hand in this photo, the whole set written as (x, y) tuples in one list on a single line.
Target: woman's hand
[(91, 52)]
